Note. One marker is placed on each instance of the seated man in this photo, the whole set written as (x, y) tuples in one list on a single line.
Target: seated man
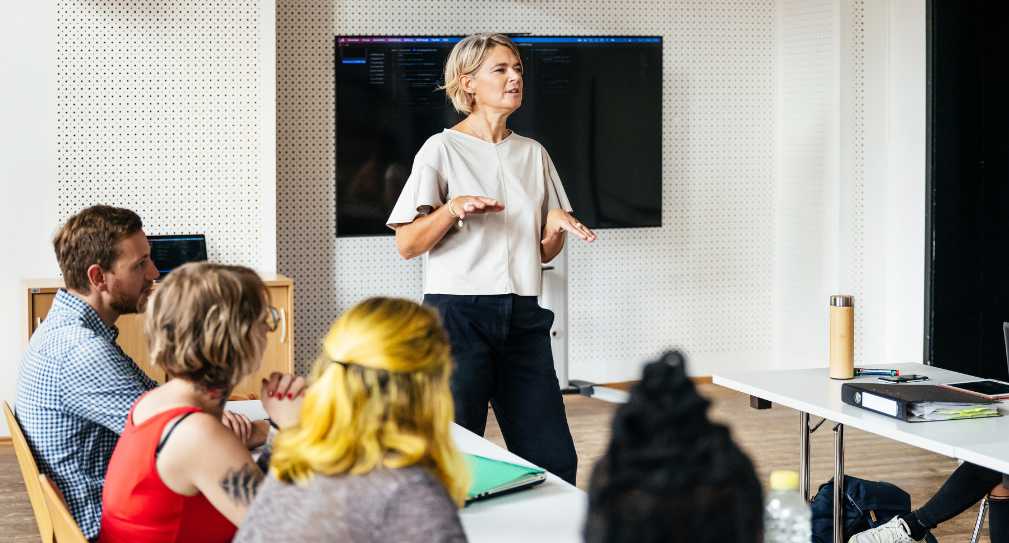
[(76, 385), (964, 488)]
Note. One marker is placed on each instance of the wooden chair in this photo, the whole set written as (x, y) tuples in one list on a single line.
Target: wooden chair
[(64, 526), (30, 475)]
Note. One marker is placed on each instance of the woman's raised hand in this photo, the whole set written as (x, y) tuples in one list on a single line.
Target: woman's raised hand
[(281, 395), (560, 221), (460, 206)]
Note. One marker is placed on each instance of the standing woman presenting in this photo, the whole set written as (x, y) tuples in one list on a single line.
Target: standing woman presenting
[(486, 208)]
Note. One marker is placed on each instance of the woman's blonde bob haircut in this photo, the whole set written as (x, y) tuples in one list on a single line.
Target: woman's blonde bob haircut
[(379, 397), (465, 59), (200, 323)]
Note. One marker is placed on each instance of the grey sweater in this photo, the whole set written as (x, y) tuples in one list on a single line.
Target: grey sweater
[(387, 505)]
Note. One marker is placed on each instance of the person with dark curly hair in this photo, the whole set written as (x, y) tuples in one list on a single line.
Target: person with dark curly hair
[(670, 474)]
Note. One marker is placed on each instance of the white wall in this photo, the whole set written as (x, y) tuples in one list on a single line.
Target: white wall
[(905, 197), (27, 176), (851, 183), (166, 108), (888, 241), (807, 182), (793, 141), (837, 196), (702, 282)]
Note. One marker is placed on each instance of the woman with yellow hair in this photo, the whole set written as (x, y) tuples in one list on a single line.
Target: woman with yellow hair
[(372, 457)]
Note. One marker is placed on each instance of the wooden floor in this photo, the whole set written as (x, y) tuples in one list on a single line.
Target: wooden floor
[(17, 524), (771, 438)]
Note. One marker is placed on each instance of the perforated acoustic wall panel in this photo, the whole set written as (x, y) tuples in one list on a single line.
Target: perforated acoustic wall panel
[(829, 134), (806, 206), (853, 165), (703, 281), (159, 111)]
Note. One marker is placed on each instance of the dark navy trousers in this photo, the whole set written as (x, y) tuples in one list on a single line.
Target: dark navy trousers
[(501, 348)]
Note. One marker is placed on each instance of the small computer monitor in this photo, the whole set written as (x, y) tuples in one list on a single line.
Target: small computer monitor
[(170, 252)]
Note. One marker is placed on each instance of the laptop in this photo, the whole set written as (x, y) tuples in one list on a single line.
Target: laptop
[(1005, 334), (496, 477), (170, 252), (992, 390)]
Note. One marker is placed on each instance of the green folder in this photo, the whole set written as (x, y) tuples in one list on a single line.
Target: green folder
[(495, 477)]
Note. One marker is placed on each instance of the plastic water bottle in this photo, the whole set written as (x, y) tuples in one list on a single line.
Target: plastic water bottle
[(786, 515)]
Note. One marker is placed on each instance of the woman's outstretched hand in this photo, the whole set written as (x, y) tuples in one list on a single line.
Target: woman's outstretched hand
[(460, 206), (559, 222)]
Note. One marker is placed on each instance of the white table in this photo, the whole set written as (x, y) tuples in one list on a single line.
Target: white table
[(984, 442), (553, 511)]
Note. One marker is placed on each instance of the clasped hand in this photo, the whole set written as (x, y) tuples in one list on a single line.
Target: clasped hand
[(281, 396)]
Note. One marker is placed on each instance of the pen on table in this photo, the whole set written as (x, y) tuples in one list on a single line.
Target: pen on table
[(875, 371)]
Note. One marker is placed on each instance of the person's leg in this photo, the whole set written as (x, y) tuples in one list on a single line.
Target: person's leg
[(527, 398), (998, 511), (473, 376), (964, 488)]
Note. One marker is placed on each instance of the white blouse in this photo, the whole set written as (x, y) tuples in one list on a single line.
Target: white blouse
[(493, 253)]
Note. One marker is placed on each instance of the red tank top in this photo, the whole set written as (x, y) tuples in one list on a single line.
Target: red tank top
[(138, 507)]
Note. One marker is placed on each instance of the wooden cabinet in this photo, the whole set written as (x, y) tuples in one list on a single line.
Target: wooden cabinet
[(279, 354)]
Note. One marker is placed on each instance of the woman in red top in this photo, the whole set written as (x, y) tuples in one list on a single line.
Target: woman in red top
[(178, 474)]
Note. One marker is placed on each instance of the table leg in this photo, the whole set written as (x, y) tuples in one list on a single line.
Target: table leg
[(804, 455), (839, 483)]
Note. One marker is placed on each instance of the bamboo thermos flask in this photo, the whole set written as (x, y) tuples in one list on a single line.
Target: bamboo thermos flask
[(842, 337)]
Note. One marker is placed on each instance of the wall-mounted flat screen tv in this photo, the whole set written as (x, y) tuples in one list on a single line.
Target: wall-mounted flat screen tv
[(594, 102)]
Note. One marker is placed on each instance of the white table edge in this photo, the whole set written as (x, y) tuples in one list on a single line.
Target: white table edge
[(563, 529), (849, 421)]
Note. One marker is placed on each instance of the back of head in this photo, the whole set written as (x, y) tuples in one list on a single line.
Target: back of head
[(201, 321), (379, 397), (91, 237), (670, 474)]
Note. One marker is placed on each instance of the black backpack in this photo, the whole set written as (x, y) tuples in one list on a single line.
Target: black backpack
[(867, 504)]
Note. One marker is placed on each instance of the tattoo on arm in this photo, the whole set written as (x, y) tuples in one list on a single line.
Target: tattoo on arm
[(241, 484)]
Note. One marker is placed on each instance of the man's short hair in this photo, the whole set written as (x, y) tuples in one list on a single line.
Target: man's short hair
[(90, 237)]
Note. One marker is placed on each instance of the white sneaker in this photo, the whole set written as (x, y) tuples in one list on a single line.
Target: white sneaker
[(895, 531)]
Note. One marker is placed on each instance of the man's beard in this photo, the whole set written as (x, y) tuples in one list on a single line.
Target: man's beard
[(124, 304)]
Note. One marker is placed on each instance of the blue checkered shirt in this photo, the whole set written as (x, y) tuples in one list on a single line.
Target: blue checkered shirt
[(75, 389)]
